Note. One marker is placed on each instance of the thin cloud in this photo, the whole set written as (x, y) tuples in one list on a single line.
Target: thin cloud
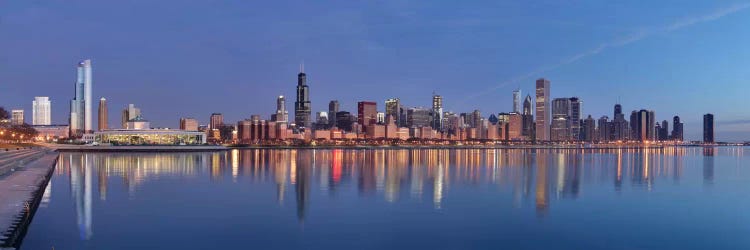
[(634, 37)]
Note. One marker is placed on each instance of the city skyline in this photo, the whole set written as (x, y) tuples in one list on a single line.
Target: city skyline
[(331, 80)]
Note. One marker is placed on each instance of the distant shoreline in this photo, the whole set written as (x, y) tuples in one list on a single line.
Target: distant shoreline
[(215, 148)]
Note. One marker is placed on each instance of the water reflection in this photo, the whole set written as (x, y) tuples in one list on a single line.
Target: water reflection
[(534, 177)]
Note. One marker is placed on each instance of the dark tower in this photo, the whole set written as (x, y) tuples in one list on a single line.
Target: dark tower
[(302, 107), (676, 129), (708, 128)]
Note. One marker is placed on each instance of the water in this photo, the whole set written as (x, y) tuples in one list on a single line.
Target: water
[(674, 198)]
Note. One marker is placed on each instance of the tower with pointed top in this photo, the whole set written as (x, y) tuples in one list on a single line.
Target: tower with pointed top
[(302, 107)]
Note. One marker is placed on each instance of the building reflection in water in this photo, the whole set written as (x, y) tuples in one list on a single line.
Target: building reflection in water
[(535, 177)]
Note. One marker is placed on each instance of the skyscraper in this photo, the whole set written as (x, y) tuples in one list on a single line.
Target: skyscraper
[(528, 118), (604, 128), (543, 117), (216, 120), (333, 110), (663, 133), (437, 112), (41, 111), (676, 129), (393, 109), (103, 115), (575, 118), (708, 128), (561, 113), (129, 113), (589, 129), (620, 126), (367, 113), (643, 125), (80, 106), (517, 101), (16, 117), (302, 107), (281, 114)]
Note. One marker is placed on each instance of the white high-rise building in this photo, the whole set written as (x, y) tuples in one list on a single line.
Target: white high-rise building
[(80, 106), (41, 111), (282, 115)]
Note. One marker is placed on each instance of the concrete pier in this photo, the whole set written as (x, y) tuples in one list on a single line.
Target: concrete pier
[(20, 193)]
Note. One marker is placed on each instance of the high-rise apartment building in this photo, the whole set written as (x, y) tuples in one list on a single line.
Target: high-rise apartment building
[(103, 122), (437, 112), (708, 128), (302, 107), (41, 111), (418, 117), (80, 106), (543, 116), (16, 117)]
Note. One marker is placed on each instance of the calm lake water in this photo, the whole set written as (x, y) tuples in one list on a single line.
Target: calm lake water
[(672, 198)]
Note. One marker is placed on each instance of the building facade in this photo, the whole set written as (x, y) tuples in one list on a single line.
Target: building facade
[(708, 128), (367, 113), (103, 117), (41, 113), (17, 117), (437, 112), (543, 114), (302, 107), (80, 106), (129, 113), (188, 124)]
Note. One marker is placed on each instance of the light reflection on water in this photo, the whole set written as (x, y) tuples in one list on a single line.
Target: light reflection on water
[(540, 178)]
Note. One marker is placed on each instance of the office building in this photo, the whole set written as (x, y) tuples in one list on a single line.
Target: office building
[(129, 113), (620, 126), (367, 113), (418, 117), (589, 129), (603, 129), (561, 114), (302, 107), (528, 118), (437, 112), (188, 124), (394, 109), (575, 118), (103, 116), (643, 125), (708, 128), (80, 106), (676, 129), (543, 114), (16, 117), (282, 115), (663, 131), (517, 101), (333, 109), (215, 121), (41, 111)]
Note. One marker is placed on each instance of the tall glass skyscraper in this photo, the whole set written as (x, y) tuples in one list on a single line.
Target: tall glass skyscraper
[(437, 112), (80, 106)]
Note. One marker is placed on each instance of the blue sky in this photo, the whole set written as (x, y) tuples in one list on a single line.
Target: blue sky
[(192, 58)]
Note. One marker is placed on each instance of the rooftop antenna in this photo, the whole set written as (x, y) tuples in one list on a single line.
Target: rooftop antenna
[(302, 66)]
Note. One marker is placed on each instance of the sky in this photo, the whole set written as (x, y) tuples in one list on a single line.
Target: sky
[(192, 58)]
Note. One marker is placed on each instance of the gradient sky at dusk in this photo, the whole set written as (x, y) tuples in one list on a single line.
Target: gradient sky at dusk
[(191, 58)]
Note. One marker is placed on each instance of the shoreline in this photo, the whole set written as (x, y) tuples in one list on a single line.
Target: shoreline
[(399, 147), (22, 192)]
